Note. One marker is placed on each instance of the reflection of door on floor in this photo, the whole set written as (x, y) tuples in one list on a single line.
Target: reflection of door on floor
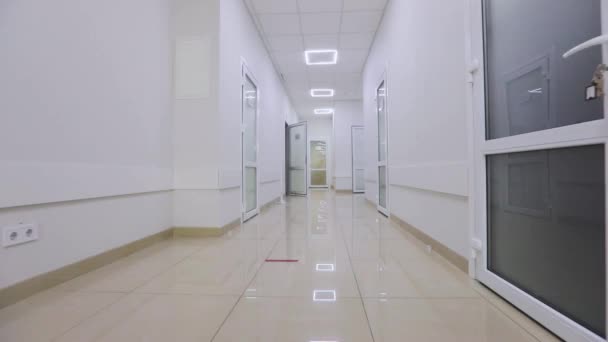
[(318, 150)]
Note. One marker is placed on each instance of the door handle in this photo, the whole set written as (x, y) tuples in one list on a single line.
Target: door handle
[(601, 40)]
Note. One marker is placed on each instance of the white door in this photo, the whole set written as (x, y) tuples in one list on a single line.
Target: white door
[(297, 160), (540, 160), (318, 156), (381, 96), (358, 158), (249, 141)]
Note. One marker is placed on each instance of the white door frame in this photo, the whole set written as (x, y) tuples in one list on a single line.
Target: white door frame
[(327, 159), (385, 163), (587, 133), (353, 151), (246, 73), (288, 148)]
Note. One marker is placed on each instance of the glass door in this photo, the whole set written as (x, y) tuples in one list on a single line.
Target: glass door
[(539, 160), (249, 146), (382, 148), (297, 160), (318, 162), (358, 158)]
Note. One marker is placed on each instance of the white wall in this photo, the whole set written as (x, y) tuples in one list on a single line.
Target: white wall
[(347, 114), (85, 107), (426, 116), (208, 127), (196, 118), (240, 40)]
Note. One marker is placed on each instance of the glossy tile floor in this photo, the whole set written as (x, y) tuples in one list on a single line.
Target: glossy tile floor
[(358, 278)]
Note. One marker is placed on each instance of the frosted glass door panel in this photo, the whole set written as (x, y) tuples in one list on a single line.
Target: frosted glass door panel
[(250, 101), (318, 178), (358, 159), (318, 163), (382, 136), (318, 151)]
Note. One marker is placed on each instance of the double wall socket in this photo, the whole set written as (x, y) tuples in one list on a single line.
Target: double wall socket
[(19, 234)]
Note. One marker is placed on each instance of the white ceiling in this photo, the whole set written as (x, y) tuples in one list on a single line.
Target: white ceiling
[(289, 27)]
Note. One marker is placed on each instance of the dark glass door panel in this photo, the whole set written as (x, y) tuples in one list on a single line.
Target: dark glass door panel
[(546, 228)]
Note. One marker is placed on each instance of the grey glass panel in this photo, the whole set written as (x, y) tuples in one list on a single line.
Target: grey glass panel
[(382, 186), (529, 86), (297, 147), (297, 182), (546, 228), (358, 147), (250, 189), (359, 180)]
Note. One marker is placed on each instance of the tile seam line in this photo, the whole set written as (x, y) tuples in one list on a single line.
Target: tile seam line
[(245, 290), (509, 316), (124, 294), (357, 281)]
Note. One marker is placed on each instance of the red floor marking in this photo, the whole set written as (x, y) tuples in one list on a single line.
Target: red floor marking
[(281, 260)]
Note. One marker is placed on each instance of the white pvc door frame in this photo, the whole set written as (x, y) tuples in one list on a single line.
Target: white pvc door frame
[(246, 215), (354, 151), (382, 82), (310, 169), (290, 168), (587, 133)]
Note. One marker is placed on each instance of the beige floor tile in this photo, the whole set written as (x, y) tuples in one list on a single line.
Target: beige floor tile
[(222, 269), (440, 320), (524, 321), (289, 319), (398, 268), (183, 289), (49, 314), (162, 318), (129, 273), (322, 264)]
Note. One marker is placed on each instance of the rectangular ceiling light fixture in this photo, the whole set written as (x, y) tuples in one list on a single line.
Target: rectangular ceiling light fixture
[(324, 111), (321, 92), (321, 57)]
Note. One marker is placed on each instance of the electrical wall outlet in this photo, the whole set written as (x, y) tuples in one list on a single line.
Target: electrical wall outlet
[(19, 234)]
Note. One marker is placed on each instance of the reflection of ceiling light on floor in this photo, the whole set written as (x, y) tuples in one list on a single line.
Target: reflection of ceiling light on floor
[(326, 267), (324, 295)]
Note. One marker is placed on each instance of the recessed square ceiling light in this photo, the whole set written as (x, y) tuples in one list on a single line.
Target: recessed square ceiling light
[(321, 57), (324, 111), (321, 92)]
